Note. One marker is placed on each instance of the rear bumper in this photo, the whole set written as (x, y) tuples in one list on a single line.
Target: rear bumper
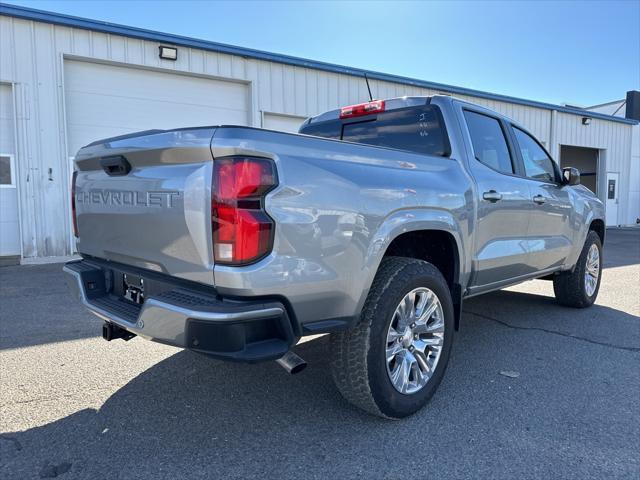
[(184, 316)]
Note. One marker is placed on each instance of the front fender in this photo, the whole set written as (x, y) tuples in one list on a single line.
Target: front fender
[(587, 209)]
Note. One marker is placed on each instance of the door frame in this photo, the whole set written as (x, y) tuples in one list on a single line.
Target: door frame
[(600, 153), (15, 159), (606, 199)]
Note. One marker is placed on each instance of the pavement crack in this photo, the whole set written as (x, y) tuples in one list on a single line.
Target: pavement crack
[(36, 400), (54, 397), (555, 332)]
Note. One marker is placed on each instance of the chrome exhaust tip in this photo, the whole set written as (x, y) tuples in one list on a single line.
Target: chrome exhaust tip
[(292, 363)]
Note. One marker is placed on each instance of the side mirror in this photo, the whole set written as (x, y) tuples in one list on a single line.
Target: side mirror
[(570, 176)]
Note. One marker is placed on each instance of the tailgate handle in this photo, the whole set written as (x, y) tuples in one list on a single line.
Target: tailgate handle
[(115, 166)]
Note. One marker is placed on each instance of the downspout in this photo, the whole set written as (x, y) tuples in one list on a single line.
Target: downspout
[(553, 149)]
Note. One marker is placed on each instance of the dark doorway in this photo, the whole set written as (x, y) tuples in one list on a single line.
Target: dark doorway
[(585, 160)]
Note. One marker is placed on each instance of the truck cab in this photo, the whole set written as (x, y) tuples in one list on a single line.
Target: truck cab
[(525, 215)]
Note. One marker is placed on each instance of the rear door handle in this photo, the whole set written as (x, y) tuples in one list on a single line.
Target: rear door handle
[(492, 196), (539, 199)]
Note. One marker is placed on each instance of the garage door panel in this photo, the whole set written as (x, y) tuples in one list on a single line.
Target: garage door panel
[(93, 133), (135, 113), (6, 120), (283, 123), (176, 92), (104, 100), (130, 82), (8, 209), (8, 244), (6, 137)]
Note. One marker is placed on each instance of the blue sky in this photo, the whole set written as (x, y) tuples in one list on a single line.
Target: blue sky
[(582, 53)]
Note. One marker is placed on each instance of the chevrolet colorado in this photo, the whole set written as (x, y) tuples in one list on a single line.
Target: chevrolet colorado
[(373, 224)]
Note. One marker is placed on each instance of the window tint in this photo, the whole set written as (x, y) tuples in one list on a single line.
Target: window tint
[(537, 163), (415, 129), (489, 144), (332, 129)]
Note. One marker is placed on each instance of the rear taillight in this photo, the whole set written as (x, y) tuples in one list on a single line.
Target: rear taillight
[(242, 230), (376, 106), (73, 203)]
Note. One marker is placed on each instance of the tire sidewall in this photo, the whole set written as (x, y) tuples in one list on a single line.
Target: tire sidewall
[(592, 239), (391, 402)]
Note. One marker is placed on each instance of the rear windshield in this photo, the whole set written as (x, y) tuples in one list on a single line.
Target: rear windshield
[(416, 129)]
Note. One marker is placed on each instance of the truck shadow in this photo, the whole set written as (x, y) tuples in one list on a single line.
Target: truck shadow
[(190, 415), (36, 306)]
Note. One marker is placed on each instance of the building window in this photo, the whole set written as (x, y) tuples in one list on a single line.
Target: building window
[(7, 171)]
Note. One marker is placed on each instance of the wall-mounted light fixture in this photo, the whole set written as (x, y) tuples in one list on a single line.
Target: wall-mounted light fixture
[(168, 53), (586, 120)]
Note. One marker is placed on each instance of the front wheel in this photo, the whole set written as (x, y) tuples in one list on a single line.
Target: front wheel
[(579, 288), (392, 362)]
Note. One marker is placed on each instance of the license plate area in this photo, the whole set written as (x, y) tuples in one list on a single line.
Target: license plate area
[(133, 288)]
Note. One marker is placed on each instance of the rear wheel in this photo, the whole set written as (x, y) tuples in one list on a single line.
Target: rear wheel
[(579, 288), (392, 362)]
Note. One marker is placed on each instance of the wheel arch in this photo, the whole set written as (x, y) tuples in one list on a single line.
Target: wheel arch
[(597, 225), (437, 247), (430, 235)]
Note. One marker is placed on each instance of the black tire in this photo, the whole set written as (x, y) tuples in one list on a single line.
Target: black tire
[(569, 287), (359, 355)]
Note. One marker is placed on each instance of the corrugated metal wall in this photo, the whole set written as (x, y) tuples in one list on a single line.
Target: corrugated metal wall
[(632, 214), (614, 144), (32, 58)]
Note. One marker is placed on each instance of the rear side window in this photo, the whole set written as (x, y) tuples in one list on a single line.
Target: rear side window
[(537, 163), (332, 129), (489, 143), (416, 129)]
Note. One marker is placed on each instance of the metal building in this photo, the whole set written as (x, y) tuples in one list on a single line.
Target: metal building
[(66, 81), (626, 108)]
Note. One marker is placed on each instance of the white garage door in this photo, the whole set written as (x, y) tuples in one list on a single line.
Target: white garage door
[(283, 123), (9, 227), (106, 100)]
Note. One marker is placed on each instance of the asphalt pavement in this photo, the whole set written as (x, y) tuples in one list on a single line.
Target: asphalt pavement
[(533, 390)]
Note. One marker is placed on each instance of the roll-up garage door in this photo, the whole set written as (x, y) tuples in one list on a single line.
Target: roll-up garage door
[(105, 100), (283, 123)]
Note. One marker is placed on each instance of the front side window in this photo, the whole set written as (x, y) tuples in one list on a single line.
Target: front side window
[(489, 144), (537, 164)]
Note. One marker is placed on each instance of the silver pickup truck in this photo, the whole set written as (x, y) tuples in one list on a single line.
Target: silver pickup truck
[(373, 224)]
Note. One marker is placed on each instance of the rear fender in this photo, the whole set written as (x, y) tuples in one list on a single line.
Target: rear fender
[(411, 220)]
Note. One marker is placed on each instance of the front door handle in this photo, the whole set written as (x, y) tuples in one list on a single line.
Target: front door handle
[(539, 199), (492, 196)]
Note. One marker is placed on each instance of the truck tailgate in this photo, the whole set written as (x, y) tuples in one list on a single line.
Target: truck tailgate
[(145, 200)]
